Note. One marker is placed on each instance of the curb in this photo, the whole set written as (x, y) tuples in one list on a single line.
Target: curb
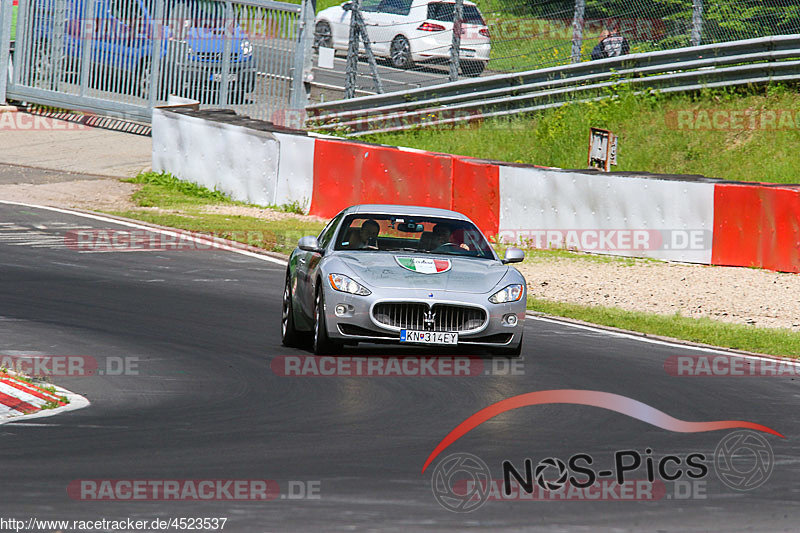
[(23, 400)]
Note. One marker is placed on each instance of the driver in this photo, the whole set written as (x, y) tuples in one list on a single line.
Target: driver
[(443, 234), (369, 234)]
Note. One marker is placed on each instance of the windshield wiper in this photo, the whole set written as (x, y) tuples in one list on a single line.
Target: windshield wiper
[(406, 249)]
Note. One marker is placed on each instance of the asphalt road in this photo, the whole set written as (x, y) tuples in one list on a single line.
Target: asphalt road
[(206, 405), (393, 79)]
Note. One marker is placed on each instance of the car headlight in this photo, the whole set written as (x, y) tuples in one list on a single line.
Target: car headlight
[(512, 293), (342, 283), (246, 47)]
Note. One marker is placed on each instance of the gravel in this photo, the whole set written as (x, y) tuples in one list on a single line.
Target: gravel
[(730, 294)]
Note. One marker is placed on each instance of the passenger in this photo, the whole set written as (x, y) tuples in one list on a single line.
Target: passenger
[(369, 234)]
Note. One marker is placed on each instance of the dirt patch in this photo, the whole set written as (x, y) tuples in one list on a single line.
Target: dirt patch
[(255, 212), (739, 295), (98, 194)]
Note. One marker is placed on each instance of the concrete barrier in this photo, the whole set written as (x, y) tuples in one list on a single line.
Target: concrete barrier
[(679, 218)]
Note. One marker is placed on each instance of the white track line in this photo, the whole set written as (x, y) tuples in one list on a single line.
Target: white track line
[(283, 262), (640, 338), (176, 233)]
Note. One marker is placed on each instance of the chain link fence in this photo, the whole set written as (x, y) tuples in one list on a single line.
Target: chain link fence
[(536, 34), (413, 39)]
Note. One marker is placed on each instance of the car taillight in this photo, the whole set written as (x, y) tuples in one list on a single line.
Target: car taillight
[(484, 32), (427, 26)]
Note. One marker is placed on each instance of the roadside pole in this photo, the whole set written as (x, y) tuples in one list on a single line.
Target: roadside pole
[(697, 22), (455, 48), (351, 69), (358, 29), (6, 12), (303, 62), (577, 30)]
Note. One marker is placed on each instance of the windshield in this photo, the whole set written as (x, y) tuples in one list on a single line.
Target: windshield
[(445, 11), (190, 9), (420, 234)]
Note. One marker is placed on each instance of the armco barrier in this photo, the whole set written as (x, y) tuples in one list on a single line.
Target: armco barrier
[(239, 156), (347, 173), (757, 225), (236, 160), (476, 192), (727, 223), (538, 200)]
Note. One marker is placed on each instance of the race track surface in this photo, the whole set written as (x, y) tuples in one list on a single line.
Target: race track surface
[(205, 403)]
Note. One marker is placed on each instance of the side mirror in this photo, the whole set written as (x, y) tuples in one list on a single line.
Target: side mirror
[(309, 244), (513, 255)]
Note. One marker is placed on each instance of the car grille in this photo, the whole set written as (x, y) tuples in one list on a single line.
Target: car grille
[(207, 56), (417, 316)]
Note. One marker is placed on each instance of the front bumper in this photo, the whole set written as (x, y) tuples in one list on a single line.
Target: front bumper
[(358, 324), (208, 74)]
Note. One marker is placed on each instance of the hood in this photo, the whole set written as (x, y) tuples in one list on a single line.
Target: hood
[(211, 40), (382, 270)]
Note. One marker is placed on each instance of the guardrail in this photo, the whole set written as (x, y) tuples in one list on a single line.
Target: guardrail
[(752, 61)]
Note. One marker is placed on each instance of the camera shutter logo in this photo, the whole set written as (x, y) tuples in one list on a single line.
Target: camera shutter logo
[(453, 469), (551, 484), (743, 460)]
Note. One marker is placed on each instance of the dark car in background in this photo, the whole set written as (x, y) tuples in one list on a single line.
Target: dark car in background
[(123, 36)]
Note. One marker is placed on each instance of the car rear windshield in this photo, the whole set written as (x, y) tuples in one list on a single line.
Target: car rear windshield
[(444, 12), (408, 233)]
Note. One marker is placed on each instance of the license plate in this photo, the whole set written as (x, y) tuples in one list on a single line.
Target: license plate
[(218, 77), (468, 53), (428, 337)]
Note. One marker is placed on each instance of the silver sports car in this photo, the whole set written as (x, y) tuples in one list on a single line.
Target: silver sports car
[(402, 274)]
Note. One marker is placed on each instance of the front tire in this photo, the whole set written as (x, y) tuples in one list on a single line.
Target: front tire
[(289, 333), (400, 53), (323, 345)]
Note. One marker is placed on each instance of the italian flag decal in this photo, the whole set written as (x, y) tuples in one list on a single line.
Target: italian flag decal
[(424, 265)]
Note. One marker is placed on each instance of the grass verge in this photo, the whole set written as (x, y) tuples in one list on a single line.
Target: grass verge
[(771, 341), (184, 203), (672, 134)]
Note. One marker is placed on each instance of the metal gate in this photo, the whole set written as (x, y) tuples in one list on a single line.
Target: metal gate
[(123, 57)]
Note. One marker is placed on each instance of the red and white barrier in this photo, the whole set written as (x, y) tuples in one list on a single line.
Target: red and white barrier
[(702, 220)]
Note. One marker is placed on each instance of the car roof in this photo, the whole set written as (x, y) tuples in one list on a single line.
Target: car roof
[(426, 2), (391, 209)]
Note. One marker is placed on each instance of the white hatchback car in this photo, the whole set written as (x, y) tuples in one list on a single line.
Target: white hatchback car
[(410, 31)]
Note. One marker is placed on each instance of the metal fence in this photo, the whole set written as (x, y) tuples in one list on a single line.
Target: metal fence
[(525, 35), (122, 57), (737, 63)]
